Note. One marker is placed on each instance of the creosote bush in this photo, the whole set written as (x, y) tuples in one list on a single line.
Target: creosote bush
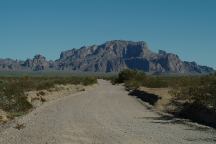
[(200, 90), (193, 97), (191, 89), (12, 89), (134, 79), (13, 98)]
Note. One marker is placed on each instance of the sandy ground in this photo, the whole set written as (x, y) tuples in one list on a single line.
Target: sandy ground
[(163, 93), (37, 99), (103, 115), (59, 91)]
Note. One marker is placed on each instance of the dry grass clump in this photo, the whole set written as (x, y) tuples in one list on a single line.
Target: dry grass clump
[(13, 98), (20, 126)]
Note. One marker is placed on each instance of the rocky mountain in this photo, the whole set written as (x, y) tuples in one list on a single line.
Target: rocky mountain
[(38, 63), (112, 56)]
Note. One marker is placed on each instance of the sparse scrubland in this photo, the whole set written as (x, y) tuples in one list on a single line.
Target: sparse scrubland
[(13, 97), (194, 97), (134, 79)]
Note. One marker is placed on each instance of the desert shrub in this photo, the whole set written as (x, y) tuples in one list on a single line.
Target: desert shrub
[(12, 89), (45, 85), (89, 80), (195, 99), (199, 90), (13, 98), (134, 79), (155, 82), (126, 75), (132, 84), (112, 79)]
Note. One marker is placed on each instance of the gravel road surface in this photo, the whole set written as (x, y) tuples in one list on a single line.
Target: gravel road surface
[(104, 114)]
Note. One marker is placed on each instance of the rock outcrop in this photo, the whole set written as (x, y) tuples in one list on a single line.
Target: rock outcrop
[(38, 63), (112, 56)]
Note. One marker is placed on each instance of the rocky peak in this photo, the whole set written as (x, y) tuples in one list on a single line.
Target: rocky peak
[(162, 52), (112, 56), (123, 43), (38, 63), (39, 57), (67, 53)]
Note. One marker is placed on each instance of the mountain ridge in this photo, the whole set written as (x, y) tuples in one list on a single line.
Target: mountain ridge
[(111, 56)]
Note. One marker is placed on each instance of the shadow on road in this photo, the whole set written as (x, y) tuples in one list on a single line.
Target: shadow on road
[(195, 112), (147, 97)]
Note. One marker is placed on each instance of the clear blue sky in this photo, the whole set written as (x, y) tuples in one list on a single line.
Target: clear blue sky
[(184, 27)]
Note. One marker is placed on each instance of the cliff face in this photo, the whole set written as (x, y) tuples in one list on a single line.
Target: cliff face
[(112, 56)]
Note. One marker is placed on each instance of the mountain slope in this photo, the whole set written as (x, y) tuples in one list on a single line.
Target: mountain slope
[(112, 56)]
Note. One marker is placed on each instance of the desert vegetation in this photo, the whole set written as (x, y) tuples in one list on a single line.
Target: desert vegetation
[(134, 79), (194, 97), (13, 98)]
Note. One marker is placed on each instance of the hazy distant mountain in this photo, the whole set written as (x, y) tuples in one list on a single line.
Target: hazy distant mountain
[(112, 56)]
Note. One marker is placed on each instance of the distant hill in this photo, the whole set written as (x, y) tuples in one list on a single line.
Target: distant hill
[(112, 56)]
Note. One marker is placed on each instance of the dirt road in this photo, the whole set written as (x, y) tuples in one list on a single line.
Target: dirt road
[(103, 115)]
